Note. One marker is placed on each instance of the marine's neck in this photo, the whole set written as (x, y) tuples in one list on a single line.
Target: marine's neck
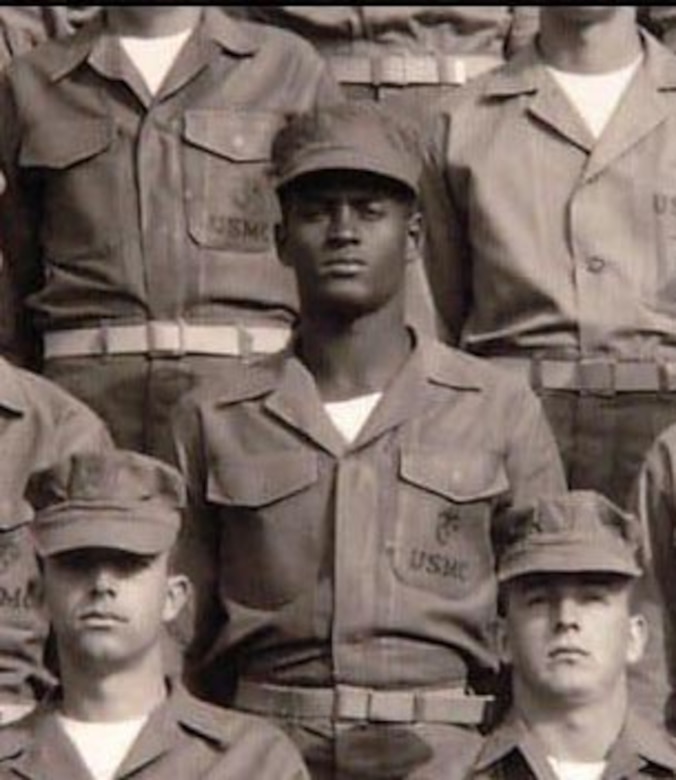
[(574, 731), (593, 48), (121, 694), (151, 21), (351, 357)]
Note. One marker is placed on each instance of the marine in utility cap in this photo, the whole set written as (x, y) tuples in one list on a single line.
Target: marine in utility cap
[(104, 528), (354, 444), (120, 500), (571, 630)]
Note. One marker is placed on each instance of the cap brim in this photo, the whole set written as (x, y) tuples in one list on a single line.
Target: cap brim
[(74, 530), (566, 560), (347, 160)]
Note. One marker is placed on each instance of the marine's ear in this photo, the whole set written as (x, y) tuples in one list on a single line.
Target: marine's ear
[(176, 597)]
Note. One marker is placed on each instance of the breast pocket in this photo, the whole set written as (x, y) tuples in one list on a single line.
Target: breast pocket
[(442, 536), (230, 202), (269, 519), (77, 182)]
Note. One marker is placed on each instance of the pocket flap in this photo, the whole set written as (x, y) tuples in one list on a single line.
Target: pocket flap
[(470, 478), (261, 479), (237, 135), (59, 144)]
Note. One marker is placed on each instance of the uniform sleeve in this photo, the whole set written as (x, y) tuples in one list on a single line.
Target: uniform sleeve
[(445, 245), (21, 28), (19, 228), (653, 499), (78, 429), (534, 464), (197, 552), (524, 25)]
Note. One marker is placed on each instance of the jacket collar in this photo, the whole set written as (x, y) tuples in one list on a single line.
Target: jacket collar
[(525, 72), (638, 744), (288, 391), (61, 57), (38, 743), (642, 109), (439, 363)]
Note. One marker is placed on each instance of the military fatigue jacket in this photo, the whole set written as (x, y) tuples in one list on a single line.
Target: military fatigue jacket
[(184, 738), (39, 425), (367, 563), (542, 239), (123, 206), (511, 752)]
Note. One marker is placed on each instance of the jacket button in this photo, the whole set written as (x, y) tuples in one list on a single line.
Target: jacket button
[(595, 264)]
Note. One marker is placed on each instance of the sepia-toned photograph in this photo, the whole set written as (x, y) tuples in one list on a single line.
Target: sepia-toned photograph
[(337, 392)]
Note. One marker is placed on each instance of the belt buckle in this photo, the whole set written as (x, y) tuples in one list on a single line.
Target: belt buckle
[(596, 376), (165, 338)]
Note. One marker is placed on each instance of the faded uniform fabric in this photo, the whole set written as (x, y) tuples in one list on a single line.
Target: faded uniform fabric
[(654, 499), (184, 738), (407, 57), (511, 752), (39, 425), (318, 563), (125, 209), (554, 254)]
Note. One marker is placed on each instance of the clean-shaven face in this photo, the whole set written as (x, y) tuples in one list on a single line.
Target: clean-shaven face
[(570, 637), (348, 235)]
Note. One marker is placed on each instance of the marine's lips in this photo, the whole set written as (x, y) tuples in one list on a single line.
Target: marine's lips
[(567, 651), (103, 617), (347, 263)]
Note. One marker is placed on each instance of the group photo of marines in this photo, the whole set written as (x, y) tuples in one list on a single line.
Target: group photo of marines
[(337, 392)]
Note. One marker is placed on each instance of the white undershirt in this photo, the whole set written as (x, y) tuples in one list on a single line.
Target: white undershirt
[(350, 416), (103, 746), (577, 770), (154, 57), (596, 95)]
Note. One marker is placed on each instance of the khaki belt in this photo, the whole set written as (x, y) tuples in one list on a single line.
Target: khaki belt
[(401, 70), (165, 339), (346, 702), (594, 375)]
